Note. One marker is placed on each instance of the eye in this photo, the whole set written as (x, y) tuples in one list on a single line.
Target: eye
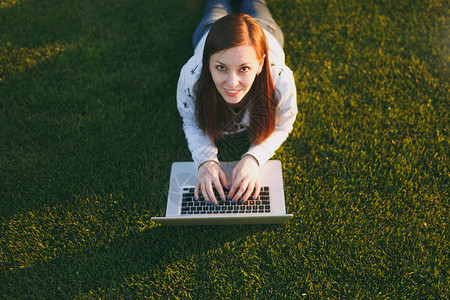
[(245, 69), (220, 68)]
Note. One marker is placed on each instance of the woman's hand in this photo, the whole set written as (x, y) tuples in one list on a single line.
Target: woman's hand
[(245, 180), (210, 175)]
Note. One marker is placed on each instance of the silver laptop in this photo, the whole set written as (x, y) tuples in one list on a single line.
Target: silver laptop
[(183, 209)]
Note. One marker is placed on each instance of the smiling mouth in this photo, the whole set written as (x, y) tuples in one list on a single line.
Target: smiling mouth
[(231, 93)]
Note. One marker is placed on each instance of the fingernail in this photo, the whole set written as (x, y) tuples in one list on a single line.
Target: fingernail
[(233, 202), (228, 198), (223, 199), (229, 186)]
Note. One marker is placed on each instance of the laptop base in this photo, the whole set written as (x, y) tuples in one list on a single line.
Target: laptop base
[(222, 220)]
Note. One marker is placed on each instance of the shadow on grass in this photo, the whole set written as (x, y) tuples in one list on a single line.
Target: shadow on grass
[(108, 265), (92, 118)]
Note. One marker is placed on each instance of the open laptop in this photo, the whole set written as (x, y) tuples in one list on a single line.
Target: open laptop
[(183, 209)]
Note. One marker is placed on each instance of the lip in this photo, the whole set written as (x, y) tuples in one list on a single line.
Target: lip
[(231, 94)]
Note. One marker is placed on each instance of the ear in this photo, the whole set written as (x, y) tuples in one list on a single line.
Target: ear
[(261, 64)]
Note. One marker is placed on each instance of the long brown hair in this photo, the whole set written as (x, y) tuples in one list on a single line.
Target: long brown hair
[(211, 110)]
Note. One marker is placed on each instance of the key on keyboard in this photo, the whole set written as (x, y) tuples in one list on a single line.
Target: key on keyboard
[(190, 206)]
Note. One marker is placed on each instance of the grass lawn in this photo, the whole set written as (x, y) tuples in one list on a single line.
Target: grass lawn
[(89, 130)]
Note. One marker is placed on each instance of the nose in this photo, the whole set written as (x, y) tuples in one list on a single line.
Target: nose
[(232, 80)]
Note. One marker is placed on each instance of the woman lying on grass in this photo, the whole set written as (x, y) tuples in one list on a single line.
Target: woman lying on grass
[(235, 85)]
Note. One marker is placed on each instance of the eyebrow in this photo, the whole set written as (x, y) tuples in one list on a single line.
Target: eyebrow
[(244, 64)]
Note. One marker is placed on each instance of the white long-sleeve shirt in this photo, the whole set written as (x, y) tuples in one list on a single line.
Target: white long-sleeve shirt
[(200, 145)]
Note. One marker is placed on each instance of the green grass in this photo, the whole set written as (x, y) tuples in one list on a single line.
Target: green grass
[(89, 129)]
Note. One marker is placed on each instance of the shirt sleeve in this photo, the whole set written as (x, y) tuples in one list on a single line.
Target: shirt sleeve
[(286, 114), (200, 145)]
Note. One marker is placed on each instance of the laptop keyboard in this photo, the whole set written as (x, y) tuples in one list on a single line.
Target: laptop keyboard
[(190, 206)]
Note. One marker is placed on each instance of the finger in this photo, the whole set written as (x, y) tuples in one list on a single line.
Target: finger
[(197, 188), (204, 191), (210, 191), (234, 173), (219, 190), (248, 192), (235, 184), (223, 183), (257, 189), (223, 178), (240, 191), (236, 178)]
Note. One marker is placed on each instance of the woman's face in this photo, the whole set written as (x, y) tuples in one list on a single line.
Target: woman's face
[(234, 70)]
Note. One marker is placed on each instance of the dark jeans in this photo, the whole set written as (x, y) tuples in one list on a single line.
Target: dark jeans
[(216, 9)]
